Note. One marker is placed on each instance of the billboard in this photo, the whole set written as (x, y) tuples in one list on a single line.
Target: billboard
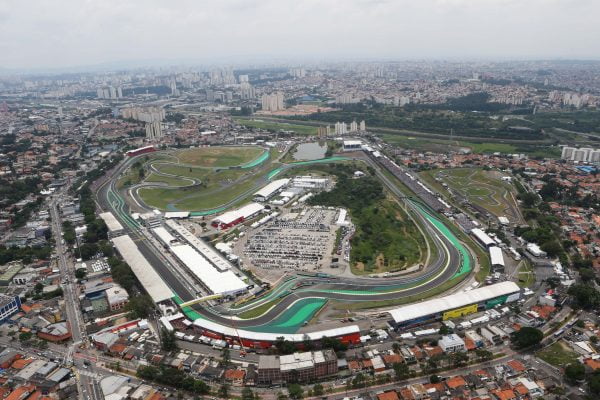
[(459, 312)]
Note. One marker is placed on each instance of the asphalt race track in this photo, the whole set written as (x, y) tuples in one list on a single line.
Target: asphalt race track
[(452, 261)]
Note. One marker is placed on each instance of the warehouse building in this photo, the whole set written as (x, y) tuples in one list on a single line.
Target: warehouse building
[(483, 238), (497, 259), (455, 305), (270, 190), (234, 217), (296, 367), (145, 274), (9, 305)]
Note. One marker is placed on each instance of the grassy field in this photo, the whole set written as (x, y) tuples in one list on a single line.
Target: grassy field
[(219, 156), (169, 180), (276, 126), (482, 188), (558, 355), (525, 274), (441, 145)]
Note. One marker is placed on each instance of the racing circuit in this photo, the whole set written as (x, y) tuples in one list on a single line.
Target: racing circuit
[(297, 298)]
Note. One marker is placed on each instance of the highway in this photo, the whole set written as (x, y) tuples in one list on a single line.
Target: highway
[(444, 266)]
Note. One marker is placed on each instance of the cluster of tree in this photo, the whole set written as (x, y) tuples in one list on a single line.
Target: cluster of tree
[(168, 340), (175, 117), (379, 231), (13, 192), (140, 306), (121, 273), (26, 254), (584, 296), (526, 337), (173, 377), (429, 118), (286, 347)]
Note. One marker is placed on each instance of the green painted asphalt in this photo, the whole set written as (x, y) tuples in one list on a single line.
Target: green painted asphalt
[(293, 318), (262, 158)]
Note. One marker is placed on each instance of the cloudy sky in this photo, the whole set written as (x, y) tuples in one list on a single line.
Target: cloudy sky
[(63, 33)]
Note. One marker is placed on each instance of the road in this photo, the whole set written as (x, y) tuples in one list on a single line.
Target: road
[(87, 385)]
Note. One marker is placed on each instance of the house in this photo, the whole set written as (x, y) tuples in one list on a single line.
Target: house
[(235, 376)]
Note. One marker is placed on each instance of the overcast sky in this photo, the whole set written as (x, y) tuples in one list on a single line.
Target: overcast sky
[(64, 33)]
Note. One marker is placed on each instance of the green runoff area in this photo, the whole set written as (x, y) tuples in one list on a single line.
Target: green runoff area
[(258, 123), (204, 178), (484, 188)]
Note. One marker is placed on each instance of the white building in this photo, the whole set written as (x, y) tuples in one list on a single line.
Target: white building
[(341, 128), (452, 343)]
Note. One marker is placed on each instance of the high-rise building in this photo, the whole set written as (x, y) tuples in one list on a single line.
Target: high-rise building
[(353, 126), (154, 130), (272, 102), (246, 90), (567, 153), (322, 131), (362, 127), (341, 128)]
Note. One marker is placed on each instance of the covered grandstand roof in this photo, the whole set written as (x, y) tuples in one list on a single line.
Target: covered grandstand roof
[(457, 300), (177, 214), (483, 237), (496, 256), (217, 282), (148, 277), (272, 337), (111, 222), (243, 212), (270, 189)]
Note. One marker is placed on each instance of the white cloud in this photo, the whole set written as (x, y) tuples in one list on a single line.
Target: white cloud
[(78, 32)]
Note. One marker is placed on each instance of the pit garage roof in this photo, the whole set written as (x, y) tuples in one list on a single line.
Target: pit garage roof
[(148, 277), (496, 256), (111, 222), (163, 235), (177, 214), (207, 251), (418, 310), (272, 337), (217, 282), (268, 190)]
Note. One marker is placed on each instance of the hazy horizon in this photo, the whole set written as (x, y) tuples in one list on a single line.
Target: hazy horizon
[(67, 34)]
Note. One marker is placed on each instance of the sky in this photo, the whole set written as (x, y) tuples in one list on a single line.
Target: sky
[(38, 34)]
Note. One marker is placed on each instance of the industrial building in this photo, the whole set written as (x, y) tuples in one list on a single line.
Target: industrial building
[(452, 343), (263, 340), (296, 367), (483, 238), (270, 190), (146, 275), (9, 305), (455, 305), (497, 259), (234, 217)]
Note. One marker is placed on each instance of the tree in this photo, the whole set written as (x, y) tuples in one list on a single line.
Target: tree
[(284, 346), (25, 336), (526, 337), (140, 306), (318, 390), (401, 370), (575, 372), (80, 273), (295, 391), (434, 379), (594, 383), (584, 296), (224, 391), (226, 356), (168, 340), (247, 394), (459, 358), (483, 355)]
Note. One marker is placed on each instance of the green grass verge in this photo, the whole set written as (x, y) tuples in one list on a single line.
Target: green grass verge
[(219, 156), (525, 274), (260, 310)]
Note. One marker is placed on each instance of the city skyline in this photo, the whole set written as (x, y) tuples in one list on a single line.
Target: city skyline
[(67, 34)]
